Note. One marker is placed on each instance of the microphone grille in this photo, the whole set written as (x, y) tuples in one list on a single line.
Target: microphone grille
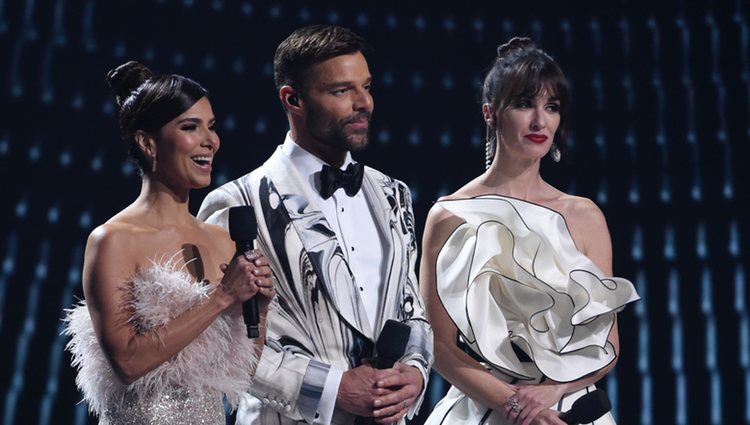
[(242, 225), (393, 339)]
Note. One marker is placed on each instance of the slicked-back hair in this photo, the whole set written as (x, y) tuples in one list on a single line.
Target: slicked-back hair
[(308, 46)]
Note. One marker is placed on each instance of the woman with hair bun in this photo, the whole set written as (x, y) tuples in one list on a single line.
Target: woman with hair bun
[(515, 273), (160, 337)]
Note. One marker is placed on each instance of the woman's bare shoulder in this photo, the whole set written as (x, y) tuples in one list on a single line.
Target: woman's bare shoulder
[(112, 254), (471, 189), (586, 222), (576, 209), (119, 232), (441, 223)]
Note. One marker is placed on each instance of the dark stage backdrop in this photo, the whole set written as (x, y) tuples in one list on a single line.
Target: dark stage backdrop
[(660, 131)]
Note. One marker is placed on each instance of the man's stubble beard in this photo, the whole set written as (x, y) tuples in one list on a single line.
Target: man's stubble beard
[(336, 136)]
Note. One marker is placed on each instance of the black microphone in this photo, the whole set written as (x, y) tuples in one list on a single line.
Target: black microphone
[(243, 229), (391, 343), (587, 409), (390, 346)]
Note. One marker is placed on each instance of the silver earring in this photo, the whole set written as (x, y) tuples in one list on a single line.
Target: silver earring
[(555, 153), (153, 164), (489, 146)]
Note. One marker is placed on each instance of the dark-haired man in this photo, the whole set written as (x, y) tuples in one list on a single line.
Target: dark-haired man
[(340, 239)]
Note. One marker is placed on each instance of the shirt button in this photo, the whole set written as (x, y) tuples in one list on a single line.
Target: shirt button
[(342, 209), (361, 288)]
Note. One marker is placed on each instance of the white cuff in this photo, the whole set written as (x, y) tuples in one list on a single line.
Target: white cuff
[(418, 401), (328, 398)]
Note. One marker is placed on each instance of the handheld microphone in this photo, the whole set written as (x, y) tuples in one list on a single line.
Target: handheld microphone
[(391, 343), (243, 229), (587, 409), (390, 346)]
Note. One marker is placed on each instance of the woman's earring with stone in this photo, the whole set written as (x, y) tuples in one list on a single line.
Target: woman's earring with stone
[(489, 145), (555, 153)]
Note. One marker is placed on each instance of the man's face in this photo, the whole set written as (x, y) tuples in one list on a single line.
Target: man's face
[(338, 104)]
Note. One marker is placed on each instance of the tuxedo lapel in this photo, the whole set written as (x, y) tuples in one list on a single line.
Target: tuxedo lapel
[(318, 240), (378, 191)]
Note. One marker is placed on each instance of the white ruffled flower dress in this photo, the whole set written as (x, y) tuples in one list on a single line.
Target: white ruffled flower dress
[(525, 301)]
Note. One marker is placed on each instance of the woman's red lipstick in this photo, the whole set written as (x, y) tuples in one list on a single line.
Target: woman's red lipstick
[(536, 138)]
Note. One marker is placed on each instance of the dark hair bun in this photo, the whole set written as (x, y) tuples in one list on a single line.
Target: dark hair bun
[(126, 78), (515, 45)]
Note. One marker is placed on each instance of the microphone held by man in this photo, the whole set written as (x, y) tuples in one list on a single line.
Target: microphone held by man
[(389, 348)]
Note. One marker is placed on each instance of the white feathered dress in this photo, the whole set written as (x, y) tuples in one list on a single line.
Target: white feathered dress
[(187, 389)]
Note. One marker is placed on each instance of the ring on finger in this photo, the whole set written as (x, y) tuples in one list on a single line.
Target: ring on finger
[(252, 255), (512, 404)]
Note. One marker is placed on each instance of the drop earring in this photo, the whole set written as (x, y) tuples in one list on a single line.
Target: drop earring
[(489, 145), (554, 153), (153, 164)]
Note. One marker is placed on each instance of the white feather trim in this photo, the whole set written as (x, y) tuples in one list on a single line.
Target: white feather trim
[(219, 360)]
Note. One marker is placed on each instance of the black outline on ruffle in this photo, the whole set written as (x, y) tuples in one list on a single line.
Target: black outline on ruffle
[(507, 200)]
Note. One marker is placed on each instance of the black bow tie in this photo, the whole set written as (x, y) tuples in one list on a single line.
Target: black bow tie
[(334, 178)]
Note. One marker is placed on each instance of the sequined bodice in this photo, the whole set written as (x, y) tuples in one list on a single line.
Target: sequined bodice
[(172, 407)]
